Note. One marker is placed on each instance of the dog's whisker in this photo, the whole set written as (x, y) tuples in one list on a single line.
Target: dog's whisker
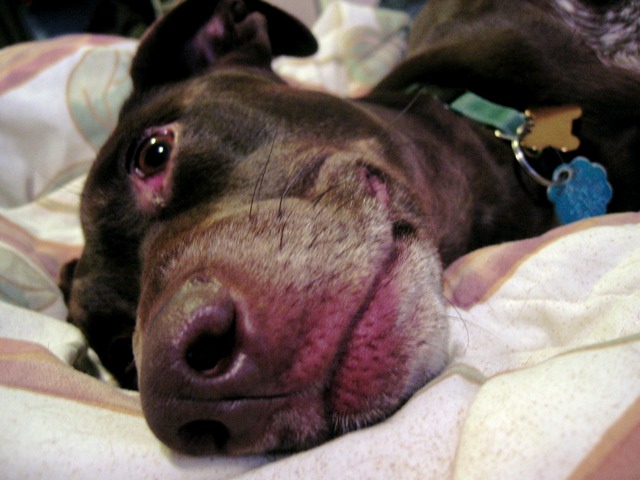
[(257, 189), (441, 349), (306, 169), (465, 326), (341, 205), (410, 104), (282, 228), (318, 198), (466, 323), (342, 184)]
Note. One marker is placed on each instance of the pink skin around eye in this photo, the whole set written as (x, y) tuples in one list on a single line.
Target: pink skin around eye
[(152, 192)]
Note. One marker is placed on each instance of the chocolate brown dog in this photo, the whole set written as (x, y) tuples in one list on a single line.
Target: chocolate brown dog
[(278, 251)]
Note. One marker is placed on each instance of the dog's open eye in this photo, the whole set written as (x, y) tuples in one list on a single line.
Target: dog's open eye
[(153, 153)]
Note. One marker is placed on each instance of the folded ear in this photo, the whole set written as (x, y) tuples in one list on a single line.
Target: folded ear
[(198, 34)]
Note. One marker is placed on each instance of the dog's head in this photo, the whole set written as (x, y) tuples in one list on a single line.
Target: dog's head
[(281, 274)]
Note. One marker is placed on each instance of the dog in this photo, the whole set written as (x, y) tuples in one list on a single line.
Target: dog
[(272, 257)]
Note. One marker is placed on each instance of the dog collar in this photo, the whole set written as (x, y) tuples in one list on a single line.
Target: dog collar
[(578, 189), (504, 119)]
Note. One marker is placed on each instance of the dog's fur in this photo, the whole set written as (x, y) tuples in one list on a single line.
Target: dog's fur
[(283, 255), (610, 27)]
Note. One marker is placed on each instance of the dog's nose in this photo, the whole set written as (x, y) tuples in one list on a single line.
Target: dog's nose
[(197, 327), (196, 382)]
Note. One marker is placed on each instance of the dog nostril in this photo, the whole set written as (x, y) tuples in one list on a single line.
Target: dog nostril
[(203, 315), (204, 434), (207, 351)]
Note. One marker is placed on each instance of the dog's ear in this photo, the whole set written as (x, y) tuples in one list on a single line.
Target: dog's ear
[(198, 34), (66, 279)]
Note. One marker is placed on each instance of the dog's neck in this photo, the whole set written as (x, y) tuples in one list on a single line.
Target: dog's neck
[(485, 192)]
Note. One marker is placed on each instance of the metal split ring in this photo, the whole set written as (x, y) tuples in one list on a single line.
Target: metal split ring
[(561, 175)]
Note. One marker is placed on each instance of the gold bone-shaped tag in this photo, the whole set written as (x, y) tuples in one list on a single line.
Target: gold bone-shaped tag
[(551, 127)]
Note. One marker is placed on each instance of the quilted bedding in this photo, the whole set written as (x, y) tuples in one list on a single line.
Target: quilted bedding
[(544, 381)]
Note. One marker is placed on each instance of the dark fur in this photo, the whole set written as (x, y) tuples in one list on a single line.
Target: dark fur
[(285, 273)]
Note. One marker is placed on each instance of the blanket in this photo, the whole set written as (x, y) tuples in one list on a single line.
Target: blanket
[(544, 378)]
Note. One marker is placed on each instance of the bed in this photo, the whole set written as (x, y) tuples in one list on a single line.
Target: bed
[(544, 378)]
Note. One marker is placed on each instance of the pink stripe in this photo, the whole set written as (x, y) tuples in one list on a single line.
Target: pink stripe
[(472, 278), (31, 367)]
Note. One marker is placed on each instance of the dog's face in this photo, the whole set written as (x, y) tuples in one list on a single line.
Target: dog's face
[(267, 241)]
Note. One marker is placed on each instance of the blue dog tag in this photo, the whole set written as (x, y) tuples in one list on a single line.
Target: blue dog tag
[(580, 190)]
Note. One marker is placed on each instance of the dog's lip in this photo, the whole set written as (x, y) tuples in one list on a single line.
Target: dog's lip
[(235, 424), (384, 279), (232, 400), (227, 403)]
